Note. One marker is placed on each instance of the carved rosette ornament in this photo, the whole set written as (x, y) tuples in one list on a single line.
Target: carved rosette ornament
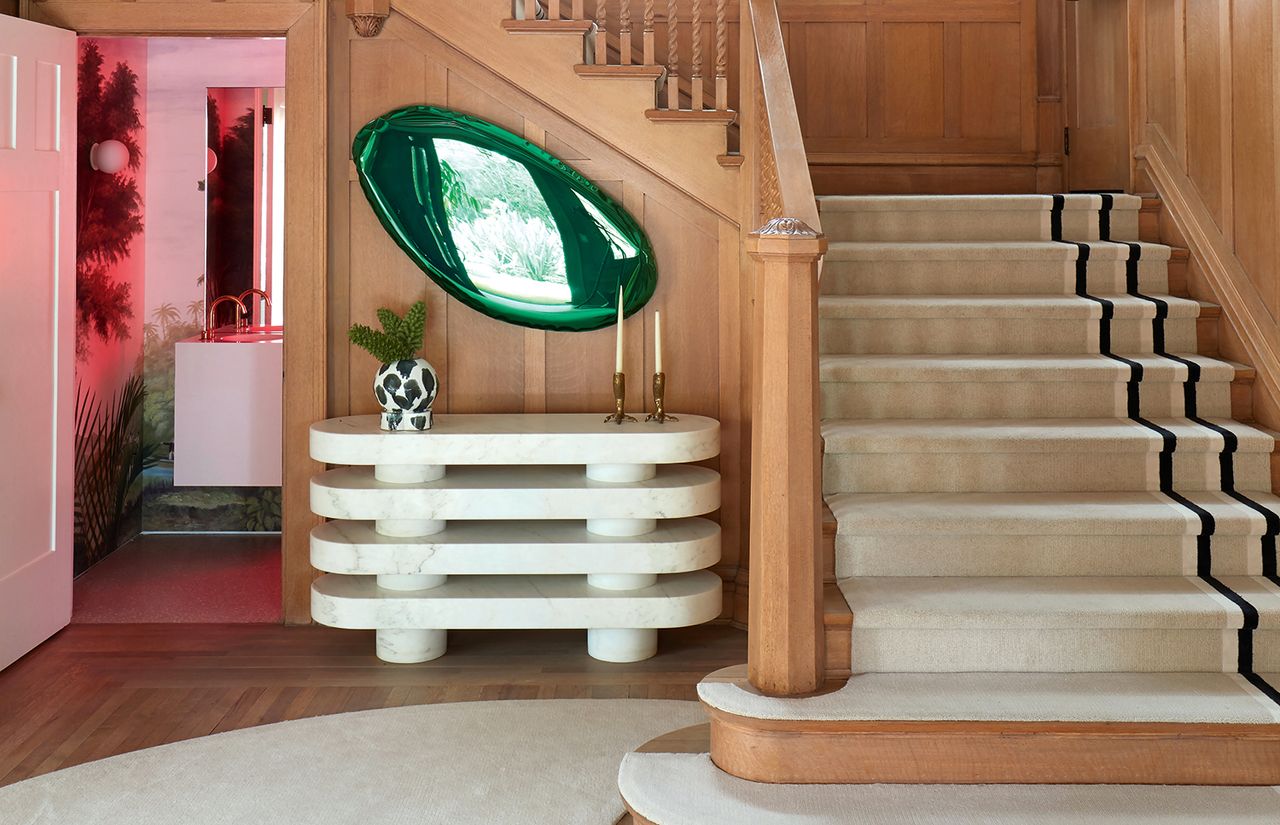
[(791, 227), (367, 16)]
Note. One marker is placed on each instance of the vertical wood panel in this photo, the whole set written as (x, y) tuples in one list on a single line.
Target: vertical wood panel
[(912, 63), (990, 81), (1161, 72), (833, 85), (1204, 104), (1254, 150)]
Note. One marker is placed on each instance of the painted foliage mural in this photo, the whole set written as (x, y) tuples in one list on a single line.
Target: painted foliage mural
[(109, 221)]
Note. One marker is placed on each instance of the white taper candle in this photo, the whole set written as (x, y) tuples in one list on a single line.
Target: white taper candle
[(617, 365), (657, 340)]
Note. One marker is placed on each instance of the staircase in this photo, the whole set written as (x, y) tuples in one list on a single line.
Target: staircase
[(1054, 547)]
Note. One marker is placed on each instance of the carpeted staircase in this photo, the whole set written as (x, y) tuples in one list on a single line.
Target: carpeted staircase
[(1047, 522)]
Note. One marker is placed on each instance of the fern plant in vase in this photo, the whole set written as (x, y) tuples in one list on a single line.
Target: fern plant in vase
[(405, 385)]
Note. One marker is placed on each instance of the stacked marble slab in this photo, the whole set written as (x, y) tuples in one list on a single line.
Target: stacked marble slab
[(515, 521)]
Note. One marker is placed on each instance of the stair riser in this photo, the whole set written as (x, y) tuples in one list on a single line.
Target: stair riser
[(1012, 399), (957, 336), (976, 225), (1047, 555), (1055, 650), (984, 277), (1033, 472)]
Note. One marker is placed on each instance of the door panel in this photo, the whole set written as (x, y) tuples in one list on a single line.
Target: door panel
[(37, 314)]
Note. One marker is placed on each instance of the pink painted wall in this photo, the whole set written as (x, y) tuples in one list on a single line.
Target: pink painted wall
[(179, 71)]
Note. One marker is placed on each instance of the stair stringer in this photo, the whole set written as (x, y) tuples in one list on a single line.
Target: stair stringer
[(542, 66)]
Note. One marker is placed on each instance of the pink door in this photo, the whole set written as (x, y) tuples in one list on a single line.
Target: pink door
[(37, 320)]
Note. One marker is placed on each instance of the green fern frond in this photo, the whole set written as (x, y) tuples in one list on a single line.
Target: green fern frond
[(400, 338)]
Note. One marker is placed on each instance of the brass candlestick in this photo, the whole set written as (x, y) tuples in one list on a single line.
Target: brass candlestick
[(659, 390), (619, 399)]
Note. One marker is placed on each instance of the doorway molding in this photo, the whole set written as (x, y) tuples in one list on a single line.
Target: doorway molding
[(304, 26)]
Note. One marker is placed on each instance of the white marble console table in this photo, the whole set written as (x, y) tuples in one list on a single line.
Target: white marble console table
[(515, 521)]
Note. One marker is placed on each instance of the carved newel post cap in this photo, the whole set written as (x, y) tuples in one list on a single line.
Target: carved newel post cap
[(789, 237)]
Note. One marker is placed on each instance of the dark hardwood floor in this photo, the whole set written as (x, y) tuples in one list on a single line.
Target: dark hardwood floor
[(94, 691)]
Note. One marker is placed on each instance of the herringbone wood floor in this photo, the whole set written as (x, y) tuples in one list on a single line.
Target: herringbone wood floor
[(98, 690)]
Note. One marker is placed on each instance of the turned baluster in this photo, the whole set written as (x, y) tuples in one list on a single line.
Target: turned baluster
[(649, 48), (695, 59), (602, 32), (673, 54), (624, 32), (722, 57)]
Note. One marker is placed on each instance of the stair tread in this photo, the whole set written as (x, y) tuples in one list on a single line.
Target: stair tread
[(1036, 435), (894, 368), (680, 788), (1126, 513), (1008, 602), (1018, 307), (902, 203), (1220, 698), (1030, 250)]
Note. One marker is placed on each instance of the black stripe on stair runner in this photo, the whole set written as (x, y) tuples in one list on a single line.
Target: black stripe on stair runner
[(1204, 541)]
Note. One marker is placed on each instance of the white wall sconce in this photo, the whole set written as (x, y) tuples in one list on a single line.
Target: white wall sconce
[(110, 156)]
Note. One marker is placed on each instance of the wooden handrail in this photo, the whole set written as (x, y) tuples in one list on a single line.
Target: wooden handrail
[(787, 188)]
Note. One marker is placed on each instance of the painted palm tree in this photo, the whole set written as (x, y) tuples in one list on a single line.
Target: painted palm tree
[(166, 315)]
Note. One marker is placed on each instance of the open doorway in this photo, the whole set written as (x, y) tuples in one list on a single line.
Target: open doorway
[(179, 329)]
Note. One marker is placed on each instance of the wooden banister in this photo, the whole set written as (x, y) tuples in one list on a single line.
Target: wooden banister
[(783, 163), (785, 655)]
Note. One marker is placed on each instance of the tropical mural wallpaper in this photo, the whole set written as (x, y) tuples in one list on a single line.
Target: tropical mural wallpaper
[(124, 346)]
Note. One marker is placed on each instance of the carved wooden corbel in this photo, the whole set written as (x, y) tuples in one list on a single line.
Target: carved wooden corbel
[(367, 16)]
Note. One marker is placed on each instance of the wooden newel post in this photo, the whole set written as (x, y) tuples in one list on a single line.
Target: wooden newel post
[(785, 654)]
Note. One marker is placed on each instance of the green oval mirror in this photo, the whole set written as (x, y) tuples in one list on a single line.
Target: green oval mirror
[(499, 223)]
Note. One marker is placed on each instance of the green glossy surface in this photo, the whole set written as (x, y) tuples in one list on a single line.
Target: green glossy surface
[(499, 223)]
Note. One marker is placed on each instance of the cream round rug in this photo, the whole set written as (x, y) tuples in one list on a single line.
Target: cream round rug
[(529, 762)]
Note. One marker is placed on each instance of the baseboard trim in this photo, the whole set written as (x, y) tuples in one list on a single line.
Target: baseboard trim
[(816, 752)]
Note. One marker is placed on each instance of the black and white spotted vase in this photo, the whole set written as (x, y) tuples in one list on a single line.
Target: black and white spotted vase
[(405, 389)]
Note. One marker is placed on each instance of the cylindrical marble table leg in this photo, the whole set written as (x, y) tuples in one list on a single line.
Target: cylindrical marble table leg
[(409, 645), (613, 644)]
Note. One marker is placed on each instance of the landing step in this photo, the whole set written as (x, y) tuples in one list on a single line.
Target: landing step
[(545, 26), (725, 118), (612, 71), (961, 368), (688, 789), (1153, 728)]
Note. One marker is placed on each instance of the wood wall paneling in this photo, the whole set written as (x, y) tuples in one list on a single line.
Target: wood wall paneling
[(1204, 122), (490, 366)]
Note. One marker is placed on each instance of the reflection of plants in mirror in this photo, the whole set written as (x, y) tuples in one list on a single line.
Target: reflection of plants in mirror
[(400, 338), (108, 463), (500, 224), (262, 511), (108, 207)]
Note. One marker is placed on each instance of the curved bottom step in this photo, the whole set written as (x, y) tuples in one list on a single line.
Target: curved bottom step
[(687, 788)]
